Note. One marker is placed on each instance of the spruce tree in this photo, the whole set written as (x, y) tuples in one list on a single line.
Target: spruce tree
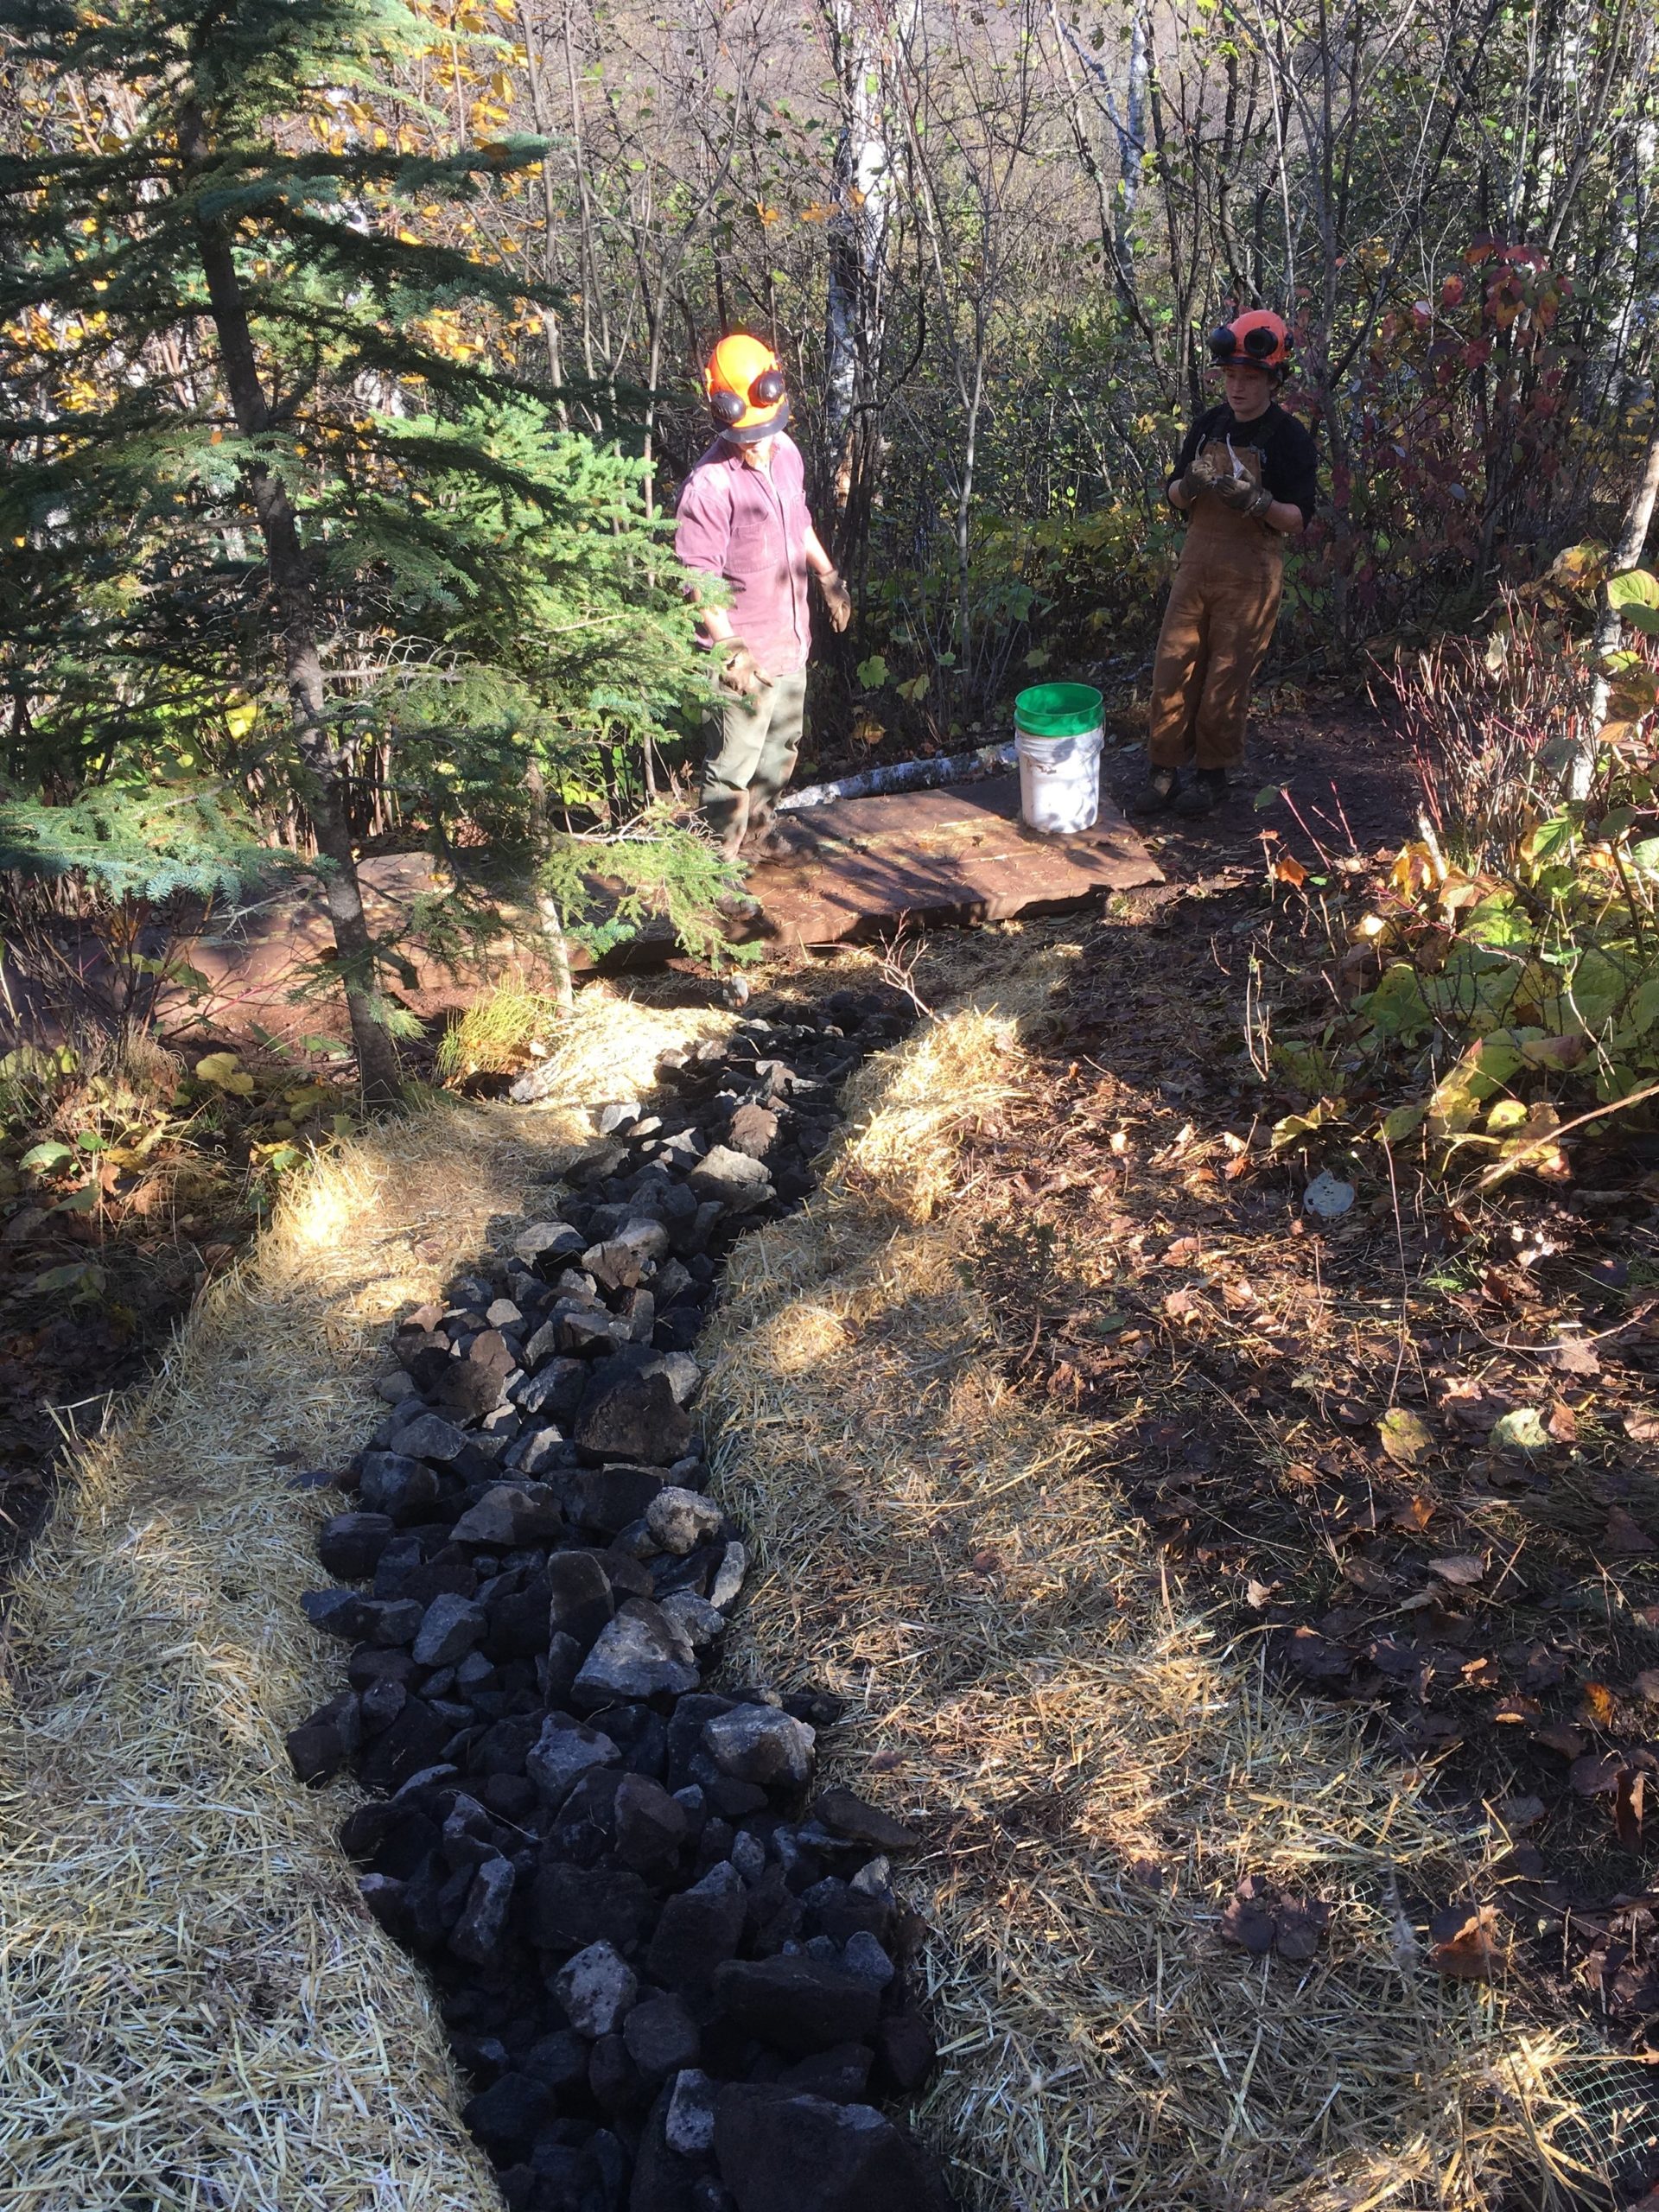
[(254, 409)]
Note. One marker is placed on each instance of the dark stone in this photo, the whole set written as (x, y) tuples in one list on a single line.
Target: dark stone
[(503, 1746), (607, 1499), (581, 1602), (797, 2005), (614, 2082), (635, 1417), (318, 1747), (564, 1663), (662, 2181), (630, 1578), (476, 1385), (350, 1544), (554, 1391), (641, 1654), (699, 1931), (685, 1732), (381, 1703), (506, 2116), (905, 2054), (662, 2037), (414, 1740), (397, 1836), (557, 2062), (842, 2073), (477, 1933), (734, 1800), (509, 1796), (649, 1826), (405, 1489), (356, 1619), (571, 1907), (517, 1621), (428, 1436), (813, 2155), (370, 1664), (847, 1815)]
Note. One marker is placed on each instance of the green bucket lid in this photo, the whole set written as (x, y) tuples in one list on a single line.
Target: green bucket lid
[(1058, 710)]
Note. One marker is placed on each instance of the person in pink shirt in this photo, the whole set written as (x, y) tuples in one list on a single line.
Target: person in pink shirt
[(742, 518)]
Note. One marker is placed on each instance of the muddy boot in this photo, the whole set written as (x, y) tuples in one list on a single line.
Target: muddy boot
[(1206, 792), (1158, 793)]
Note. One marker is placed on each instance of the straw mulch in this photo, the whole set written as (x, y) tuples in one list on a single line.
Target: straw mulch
[(195, 2010), (1097, 1769)]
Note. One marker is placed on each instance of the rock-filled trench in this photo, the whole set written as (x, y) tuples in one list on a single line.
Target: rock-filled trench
[(674, 1972)]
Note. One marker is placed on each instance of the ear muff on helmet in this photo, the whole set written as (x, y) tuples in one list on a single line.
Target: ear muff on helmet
[(1262, 341), (727, 407), (767, 388)]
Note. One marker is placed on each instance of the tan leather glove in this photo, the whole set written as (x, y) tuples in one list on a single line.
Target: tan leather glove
[(1242, 494), (741, 675), (1197, 479), (837, 598)]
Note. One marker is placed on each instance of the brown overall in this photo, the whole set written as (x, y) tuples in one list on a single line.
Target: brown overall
[(1218, 624)]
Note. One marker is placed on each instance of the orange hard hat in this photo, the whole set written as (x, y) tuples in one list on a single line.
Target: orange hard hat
[(1258, 339), (743, 380)]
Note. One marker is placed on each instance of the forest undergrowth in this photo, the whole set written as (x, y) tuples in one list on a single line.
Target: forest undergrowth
[(1401, 1426)]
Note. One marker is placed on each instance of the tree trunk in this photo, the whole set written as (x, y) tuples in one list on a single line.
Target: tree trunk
[(294, 606), (1610, 623)]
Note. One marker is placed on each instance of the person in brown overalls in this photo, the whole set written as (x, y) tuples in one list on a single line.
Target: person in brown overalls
[(1246, 478)]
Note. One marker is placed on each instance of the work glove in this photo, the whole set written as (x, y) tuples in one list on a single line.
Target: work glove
[(1242, 494), (741, 675), (837, 598), (1197, 479)]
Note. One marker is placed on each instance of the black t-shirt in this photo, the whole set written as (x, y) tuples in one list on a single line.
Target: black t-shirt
[(1289, 461)]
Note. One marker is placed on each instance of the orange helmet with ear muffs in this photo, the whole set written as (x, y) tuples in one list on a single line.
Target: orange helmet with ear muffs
[(1257, 340), (743, 380)]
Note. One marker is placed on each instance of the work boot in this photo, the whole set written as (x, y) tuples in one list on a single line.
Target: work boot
[(1206, 792), (1157, 794)]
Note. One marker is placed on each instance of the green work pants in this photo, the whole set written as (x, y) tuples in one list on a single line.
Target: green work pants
[(752, 746)]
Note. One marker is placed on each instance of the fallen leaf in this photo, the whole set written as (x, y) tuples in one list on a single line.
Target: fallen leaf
[(985, 1563), (1413, 1516), (1559, 1736), (1647, 1685), (1481, 1674), (1248, 1920), (1517, 1708), (1563, 1423), (1573, 1356), (1327, 1197), (1259, 1594), (1623, 1537), (1315, 1657), (1462, 1569), (1627, 1807), (1520, 1431), (1300, 1922), (1289, 869), (1641, 1428), (1598, 1706), (1465, 1943), (1522, 1812), (1595, 1774), (1369, 1578), (1404, 1436)]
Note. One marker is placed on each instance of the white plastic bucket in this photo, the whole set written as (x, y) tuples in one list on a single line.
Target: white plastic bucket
[(1059, 781)]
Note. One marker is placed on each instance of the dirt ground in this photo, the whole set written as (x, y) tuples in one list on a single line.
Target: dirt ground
[(1489, 1595)]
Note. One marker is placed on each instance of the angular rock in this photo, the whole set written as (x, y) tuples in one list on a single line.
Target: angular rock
[(698, 1622), (477, 1935), (510, 1514), (773, 2148), (849, 1815), (382, 1622), (350, 1544), (634, 1417), (596, 1988), (623, 1261), (906, 2053), (562, 1753), (405, 1489), (557, 2062), (428, 1436), (728, 1578), (699, 1929), (449, 1628), (411, 1744), (606, 1499), (640, 1654), (863, 1956), (760, 1744), (650, 1826), (554, 1390), (689, 2125), (753, 1129), (797, 2005), (318, 1747), (730, 1179), (545, 1241), (507, 2117), (572, 1907), (680, 1520), (582, 1605), (661, 2037), (477, 1384), (842, 2074)]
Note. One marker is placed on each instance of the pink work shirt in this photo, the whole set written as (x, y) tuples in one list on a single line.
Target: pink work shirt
[(749, 526)]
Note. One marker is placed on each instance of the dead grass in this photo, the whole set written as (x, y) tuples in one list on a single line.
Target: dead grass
[(1096, 1766), (197, 2010)]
